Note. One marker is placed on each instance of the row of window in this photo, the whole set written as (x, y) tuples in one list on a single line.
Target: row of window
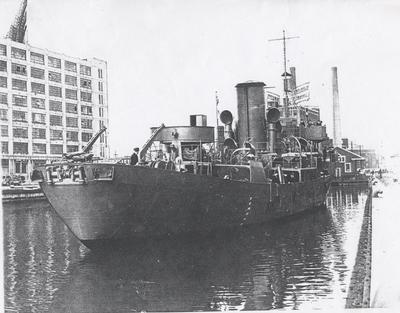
[(38, 73), (38, 58), (37, 148), (40, 118), (55, 134), (39, 103), (54, 91)]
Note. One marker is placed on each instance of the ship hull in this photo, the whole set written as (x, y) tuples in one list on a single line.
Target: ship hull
[(147, 202)]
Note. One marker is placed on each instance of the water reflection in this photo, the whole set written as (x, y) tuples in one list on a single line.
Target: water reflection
[(303, 262)]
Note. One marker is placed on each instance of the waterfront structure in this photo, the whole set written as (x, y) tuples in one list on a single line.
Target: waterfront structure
[(346, 163), (50, 104)]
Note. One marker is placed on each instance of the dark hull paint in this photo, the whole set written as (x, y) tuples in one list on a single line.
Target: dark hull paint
[(142, 201)]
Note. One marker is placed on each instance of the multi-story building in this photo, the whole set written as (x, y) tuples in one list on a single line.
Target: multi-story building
[(50, 104)]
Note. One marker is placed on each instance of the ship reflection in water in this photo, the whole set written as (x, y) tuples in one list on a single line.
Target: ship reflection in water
[(304, 262)]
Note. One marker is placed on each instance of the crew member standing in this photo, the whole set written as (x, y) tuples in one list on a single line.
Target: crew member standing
[(135, 156)]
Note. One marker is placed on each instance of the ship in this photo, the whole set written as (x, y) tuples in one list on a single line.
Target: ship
[(188, 181)]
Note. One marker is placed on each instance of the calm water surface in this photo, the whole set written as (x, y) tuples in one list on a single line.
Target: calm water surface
[(304, 262)]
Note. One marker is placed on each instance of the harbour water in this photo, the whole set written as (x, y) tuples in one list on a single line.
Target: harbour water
[(304, 262)]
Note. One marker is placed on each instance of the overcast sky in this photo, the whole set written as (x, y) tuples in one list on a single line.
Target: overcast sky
[(166, 59)]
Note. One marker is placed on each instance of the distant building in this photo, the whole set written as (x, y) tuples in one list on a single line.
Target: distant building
[(50, 104), (346, 163), (371, 157)]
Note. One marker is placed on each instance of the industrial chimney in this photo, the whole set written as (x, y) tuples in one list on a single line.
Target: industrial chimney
[(336, 112), (292, 79), (251, 112)]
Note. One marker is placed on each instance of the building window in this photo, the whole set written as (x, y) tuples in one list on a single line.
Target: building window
[(39, 133), (3, 66), (72, 121), (86, 96), (37, 73), (71, 94), (4, 130), (70, 80), (55, 106), (56, 149), (101, 112), (86, 110), (86, 83), (20, 132), (3, 115), (72, 136), (101, 86), (55, 91), (71, 148), (342, 158), (3, 50), (85, 123), (55, 120), (72, 108), (86, 137), (20, 147), (85, 70), (38, 88), (54, 77), (18, 84), (18, 69), (39, 148), (70, 66), (100, 99), (38, 118), (3, 82), (18, 53), (20, 167), (19, 116), (54, 62), (347, 167), (4, 147), (100, 73), (37, 58), (19, 100), (3, 98), (38, 103), (56, 134)]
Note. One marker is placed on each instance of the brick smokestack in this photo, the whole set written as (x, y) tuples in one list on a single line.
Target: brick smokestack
[(336, 110)]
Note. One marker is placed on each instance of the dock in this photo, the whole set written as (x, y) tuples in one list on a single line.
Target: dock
[(22, 193)]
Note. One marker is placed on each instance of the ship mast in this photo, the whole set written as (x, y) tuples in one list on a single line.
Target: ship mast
[(285, 74)]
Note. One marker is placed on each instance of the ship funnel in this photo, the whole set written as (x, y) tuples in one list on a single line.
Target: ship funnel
[(273, 116), (251, 113), (227, 119)]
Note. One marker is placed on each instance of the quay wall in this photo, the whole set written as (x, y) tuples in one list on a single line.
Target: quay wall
[(358, 295)]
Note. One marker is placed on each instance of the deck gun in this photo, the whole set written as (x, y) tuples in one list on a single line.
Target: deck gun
[(83, 155)]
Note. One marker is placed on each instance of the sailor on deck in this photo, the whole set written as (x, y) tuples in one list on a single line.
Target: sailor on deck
[(135, 156)]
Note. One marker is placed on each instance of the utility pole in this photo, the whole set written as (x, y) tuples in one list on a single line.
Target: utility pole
[(285, 74)]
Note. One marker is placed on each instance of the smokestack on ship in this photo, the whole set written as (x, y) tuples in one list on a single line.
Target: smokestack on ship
[(251, 113), (336, 111)]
